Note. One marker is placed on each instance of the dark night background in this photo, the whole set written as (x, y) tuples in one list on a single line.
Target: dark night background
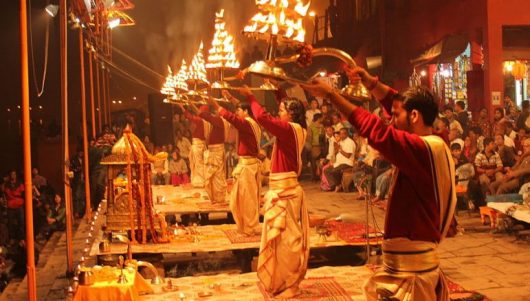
[(166, 32)]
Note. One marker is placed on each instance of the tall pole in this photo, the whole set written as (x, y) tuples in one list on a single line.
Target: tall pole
[(66, 153), (98, 94), (28, 185), (104, 96), (98, 88), (88, 210), (92, 107), (109, 57)]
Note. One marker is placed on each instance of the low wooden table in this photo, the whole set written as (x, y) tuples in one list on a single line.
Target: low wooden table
[(184, 199)]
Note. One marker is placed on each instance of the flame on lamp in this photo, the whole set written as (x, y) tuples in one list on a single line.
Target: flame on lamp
[(168, 88), (181, 77), (279, 17), (222, 54), (197, 69)]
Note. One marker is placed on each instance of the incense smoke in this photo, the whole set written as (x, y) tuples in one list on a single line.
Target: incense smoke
[(172, 29)]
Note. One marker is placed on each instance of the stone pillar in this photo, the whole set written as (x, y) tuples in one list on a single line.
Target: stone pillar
[(493, 59)]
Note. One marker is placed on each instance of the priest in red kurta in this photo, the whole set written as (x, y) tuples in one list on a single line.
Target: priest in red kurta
[(423, 196), (200, 131), (214, 174), (284, 248), (246, 191)]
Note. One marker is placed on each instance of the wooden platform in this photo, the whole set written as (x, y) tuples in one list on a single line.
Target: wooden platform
[(215, 238)]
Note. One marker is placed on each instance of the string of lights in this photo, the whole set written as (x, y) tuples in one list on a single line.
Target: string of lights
[(123, 73)]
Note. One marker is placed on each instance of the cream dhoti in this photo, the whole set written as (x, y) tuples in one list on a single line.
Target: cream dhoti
[(410, 272), (215, 177), (284, 248), (245, 195), (198, 147)]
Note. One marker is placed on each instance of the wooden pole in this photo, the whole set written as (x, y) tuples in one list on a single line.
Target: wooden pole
[(92, 106), (109, 57), (98, 88), (88, 209), (66, 153), (28, 185)]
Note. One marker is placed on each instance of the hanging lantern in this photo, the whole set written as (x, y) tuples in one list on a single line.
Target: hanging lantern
[(519, 70)]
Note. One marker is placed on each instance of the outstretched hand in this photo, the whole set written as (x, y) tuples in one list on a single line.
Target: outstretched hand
[(226, 94), (317, 88), (212, 102), (358, 75), (245, 91)]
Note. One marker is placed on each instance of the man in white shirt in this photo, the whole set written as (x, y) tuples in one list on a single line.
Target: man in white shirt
[(309, 113), (344, 155)]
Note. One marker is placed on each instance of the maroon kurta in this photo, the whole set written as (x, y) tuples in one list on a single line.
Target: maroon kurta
[(286, 158), (247, 139), (198, 125), (412, 209), (217, 135)]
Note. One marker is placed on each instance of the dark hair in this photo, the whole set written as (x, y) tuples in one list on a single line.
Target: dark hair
[(525, 104), (448, 107), (500, 110), (317, 116), (456, 146), (246, 107), (461, 104), (477, 130), (296, 108), (487, 141), (422, 100)]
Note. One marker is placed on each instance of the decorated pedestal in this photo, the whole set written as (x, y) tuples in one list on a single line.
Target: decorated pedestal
[(129, 197)]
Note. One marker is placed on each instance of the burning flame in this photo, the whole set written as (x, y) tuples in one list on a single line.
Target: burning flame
[(197, 69), (279, 17), (168, 88), (222, 54), (180, 78)]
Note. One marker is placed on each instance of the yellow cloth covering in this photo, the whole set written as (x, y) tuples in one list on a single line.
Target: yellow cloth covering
[(112, 291), (215, 175), (198, 147), (245, 195), (411, 268), (284, 248)]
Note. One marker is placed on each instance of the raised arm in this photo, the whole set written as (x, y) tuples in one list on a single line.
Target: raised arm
[(382, 93), (407, 151), (275, 126), (239, 123)]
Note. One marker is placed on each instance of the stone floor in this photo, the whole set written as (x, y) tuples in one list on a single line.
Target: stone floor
[(493, 264)]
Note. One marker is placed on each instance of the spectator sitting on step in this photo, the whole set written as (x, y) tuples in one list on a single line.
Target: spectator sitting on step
[(488, 165), (464, 170), (178, 169), (56, 216), (344, 154), (453, 123), (506, 153), (514, 178)]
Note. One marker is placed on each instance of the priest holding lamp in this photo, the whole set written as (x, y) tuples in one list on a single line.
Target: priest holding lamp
[(284, 248), (246, 191), (423, 196)]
